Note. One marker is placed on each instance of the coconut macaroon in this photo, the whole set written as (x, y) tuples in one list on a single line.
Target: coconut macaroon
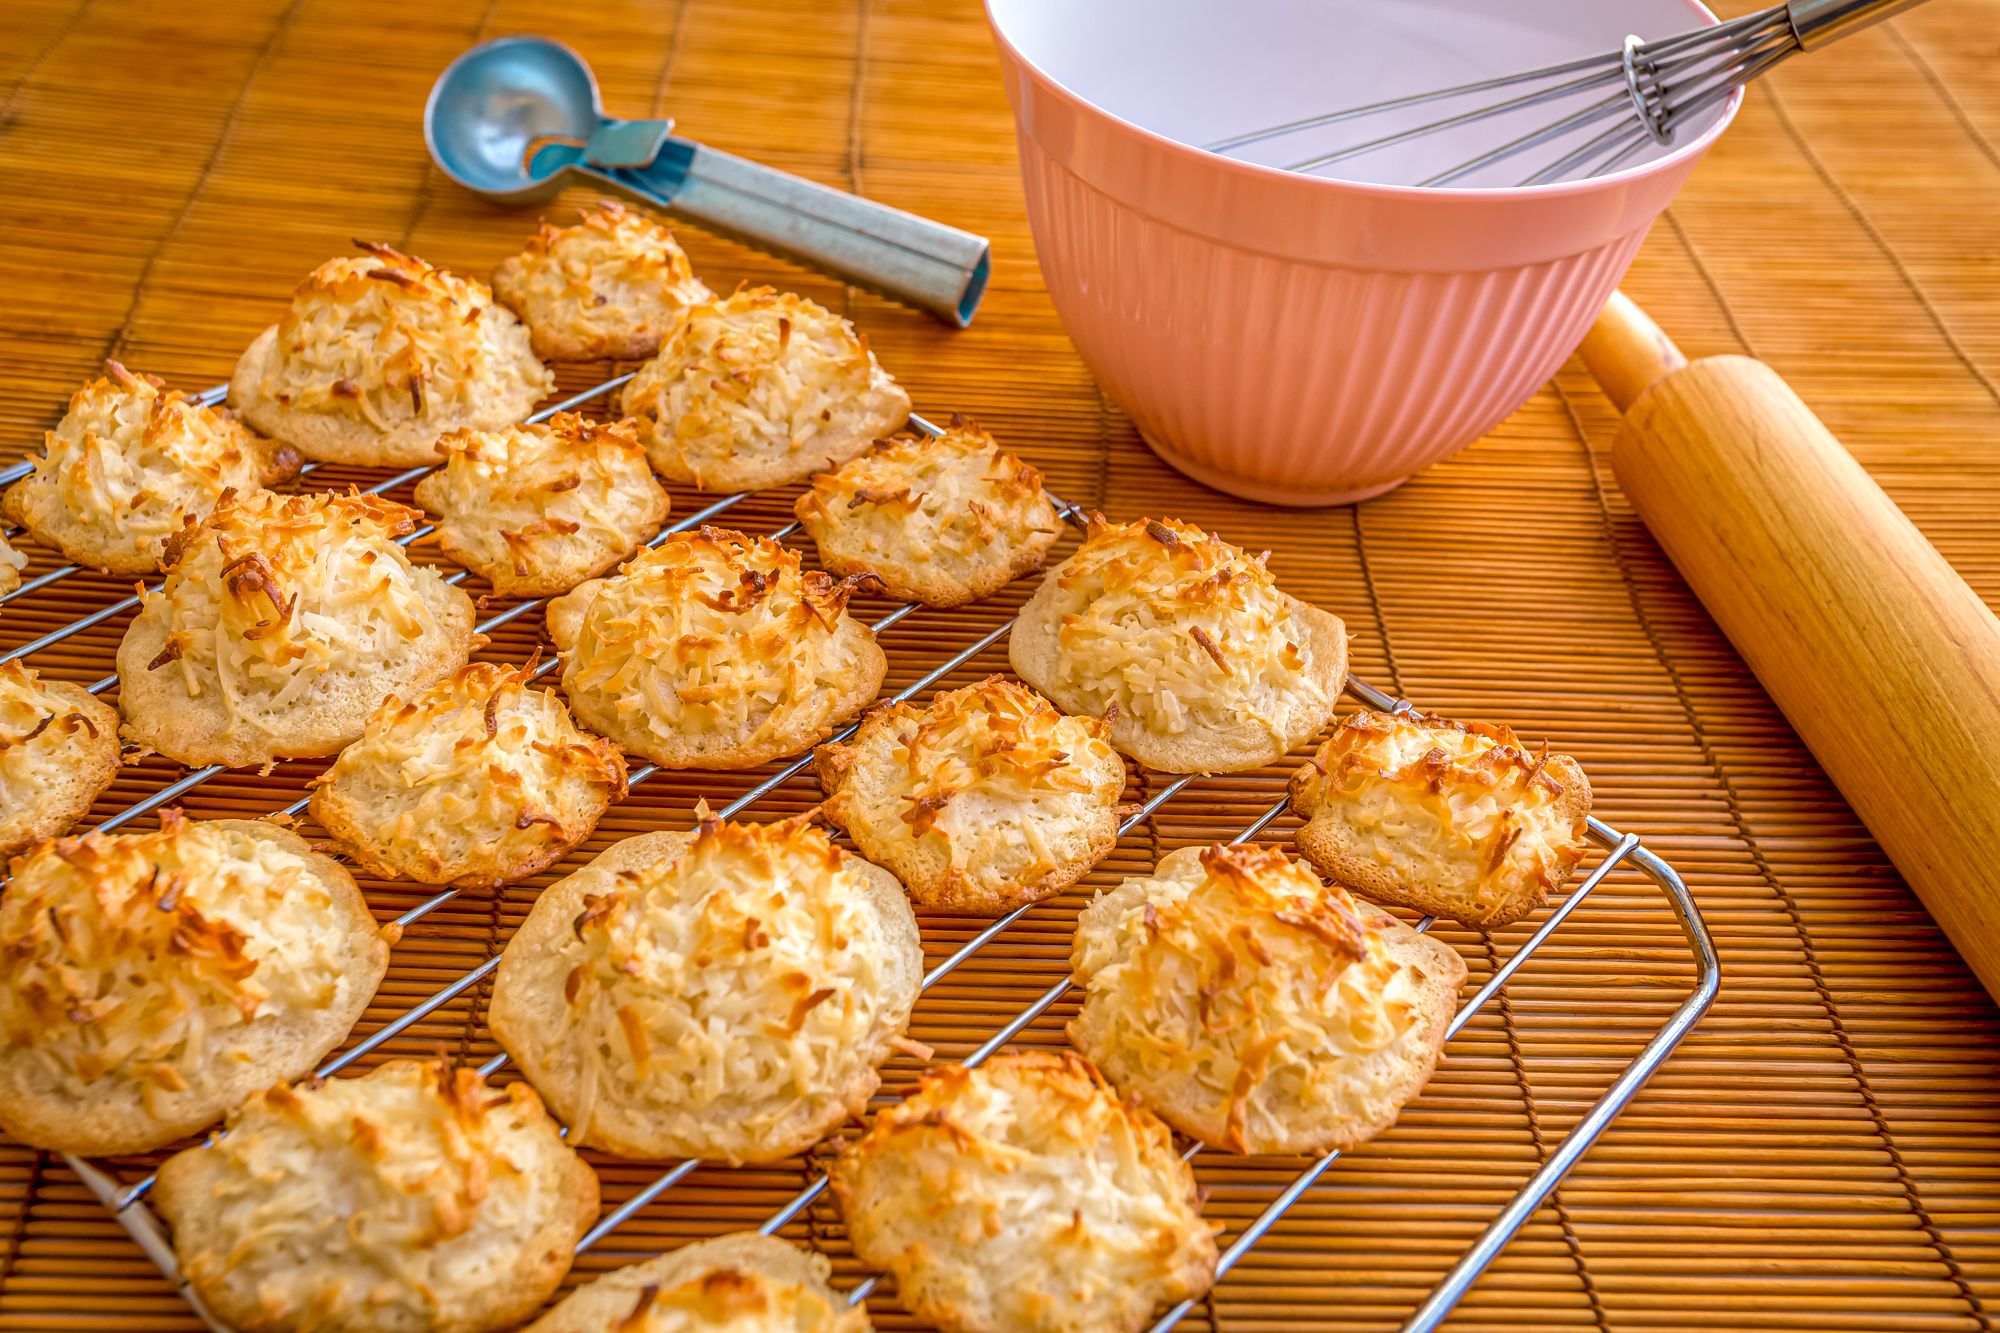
[(536, 510), (12, 562), (608, 288), (130, 464), (725, 993), (1025, 1196), (759, 389), (156, 979), (1255, 1008), (986, 799), (1185, 644), (942, 522), (715, 650), (478, 781), (1457, 819), (739, 1283), (413, 1198), (380, 354), (282, 622), (58, 749)]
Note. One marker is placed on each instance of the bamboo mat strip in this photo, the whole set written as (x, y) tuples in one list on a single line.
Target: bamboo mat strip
[(1820, 1155)]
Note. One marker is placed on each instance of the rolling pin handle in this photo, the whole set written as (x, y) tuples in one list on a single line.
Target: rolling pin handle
[(1627, 351)]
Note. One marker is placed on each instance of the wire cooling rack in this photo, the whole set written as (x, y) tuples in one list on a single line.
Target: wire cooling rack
[(127, 1201)]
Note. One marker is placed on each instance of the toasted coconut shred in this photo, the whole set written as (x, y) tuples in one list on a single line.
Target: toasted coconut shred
[(1180, 630), (1236, 983), (472, 773), (1441, 797), (758, 373), (738, 1301), (386, 338), (132, 460), (615, 277), (36, 723), (985, 770), (1029, 1187), (12, 562), (272, 592), (563, 493), (717, 989), (418, 1156), (944, 501), (711, 632), (125, 952)]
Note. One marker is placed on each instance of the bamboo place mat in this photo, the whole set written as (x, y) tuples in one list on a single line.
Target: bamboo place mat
[(1819, 1155)]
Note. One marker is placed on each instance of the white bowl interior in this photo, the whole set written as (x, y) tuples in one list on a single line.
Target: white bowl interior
[(1200, 71)]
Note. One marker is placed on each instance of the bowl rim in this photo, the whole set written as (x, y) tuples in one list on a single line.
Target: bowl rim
[(1704, 16)]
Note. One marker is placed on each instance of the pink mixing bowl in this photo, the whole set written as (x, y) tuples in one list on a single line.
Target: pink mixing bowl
[(1292, 338)]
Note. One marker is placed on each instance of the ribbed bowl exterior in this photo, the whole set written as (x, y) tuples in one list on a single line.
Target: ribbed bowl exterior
[(1303, 341)]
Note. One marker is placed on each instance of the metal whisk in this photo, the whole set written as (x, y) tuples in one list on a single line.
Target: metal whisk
[(1650, 89)]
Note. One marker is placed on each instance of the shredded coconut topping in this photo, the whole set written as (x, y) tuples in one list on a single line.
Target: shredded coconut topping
[(710, 632), (1028, 1189), (385, 1187), (125, 952), (734, 1300), (475, 776), (37, 724), (608, 286), (567, 497), (736, 985), (1462, 804), (271, 593), (984, 772), (387, 339), (131, 462), (1234, 985), (12, 562), (1179, 630), (760, 373), (945, 503)]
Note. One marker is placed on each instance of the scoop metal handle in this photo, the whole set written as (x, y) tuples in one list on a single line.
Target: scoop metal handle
[(929, 265)]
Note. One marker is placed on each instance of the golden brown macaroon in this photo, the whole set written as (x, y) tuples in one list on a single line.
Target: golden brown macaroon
[(739, 1283), (1255, 1008), (130, 464), (414, 1199), (536, 510), (1452, 818), (608, 288), (477, 781), (986, 799), (379, 355), (942, 522), (156, 979), (58, 750), (715, 650), (724, 994), (12, 562), (1210, 666), (759, 389), (1025, 1197), (282, 622)]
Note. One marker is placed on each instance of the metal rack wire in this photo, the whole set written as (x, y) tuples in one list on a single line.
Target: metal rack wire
[(127, 1201)]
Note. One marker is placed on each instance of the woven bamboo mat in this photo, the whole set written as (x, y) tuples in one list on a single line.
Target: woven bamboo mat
[(1822, 1152)]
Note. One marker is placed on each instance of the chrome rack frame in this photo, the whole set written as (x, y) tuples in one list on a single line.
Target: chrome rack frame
[(127, 1201)]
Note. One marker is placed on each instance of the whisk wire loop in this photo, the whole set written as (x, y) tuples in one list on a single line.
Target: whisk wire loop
[(1642, 83), (1648, 88)]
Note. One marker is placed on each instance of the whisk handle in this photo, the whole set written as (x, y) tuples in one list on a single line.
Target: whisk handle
[(1817, 22)]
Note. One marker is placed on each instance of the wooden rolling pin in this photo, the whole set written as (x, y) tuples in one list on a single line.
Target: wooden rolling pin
[(1880, 656)]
